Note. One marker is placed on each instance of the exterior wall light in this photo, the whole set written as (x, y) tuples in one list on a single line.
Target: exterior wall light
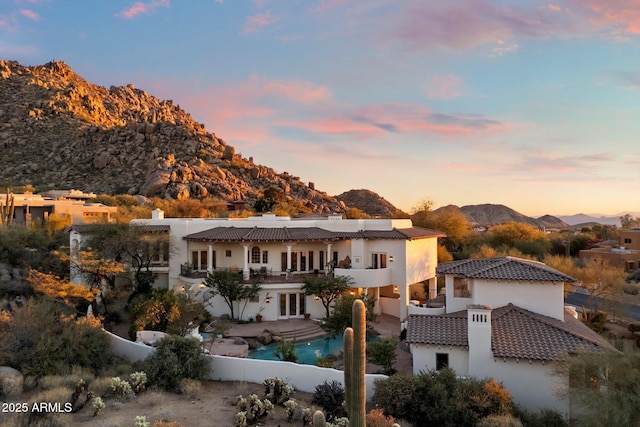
[(395, 289), (391, 258)]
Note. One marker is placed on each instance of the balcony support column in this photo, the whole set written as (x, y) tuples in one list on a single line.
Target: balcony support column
[(210, 258)]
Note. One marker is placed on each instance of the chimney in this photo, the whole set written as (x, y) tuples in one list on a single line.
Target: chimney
[(479, 338), (157, 214)]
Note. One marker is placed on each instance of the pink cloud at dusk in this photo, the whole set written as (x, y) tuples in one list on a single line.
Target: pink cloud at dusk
[(619, 13), (554, 7), (444, 86), (28, 13), (255, 23), (396, 118), (142, 8)]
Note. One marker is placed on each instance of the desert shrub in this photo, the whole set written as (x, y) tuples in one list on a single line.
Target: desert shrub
[(39, 339), (595, 319), (190, 388), (175, 359), (395, 395), (323, 362), (631, 288), (382, 352), (376, 418), (330, 397), (252, 409), (499, 421), (440, 398), (100, 386), (543, 418)]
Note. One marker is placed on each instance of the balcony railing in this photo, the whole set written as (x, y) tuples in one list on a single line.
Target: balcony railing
[(366, 278), (264, 275)]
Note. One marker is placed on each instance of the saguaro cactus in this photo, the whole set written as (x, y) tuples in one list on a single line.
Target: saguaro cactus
[(318, 419), (6, 210), (355, 346)]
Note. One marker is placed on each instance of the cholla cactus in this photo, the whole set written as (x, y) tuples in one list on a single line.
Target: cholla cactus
[(241, 419), (306, 416), (339, 422), (242, 403), (97, 405), (138, 381), (120, 387), (141, 421), (277, 390), (290, 407)]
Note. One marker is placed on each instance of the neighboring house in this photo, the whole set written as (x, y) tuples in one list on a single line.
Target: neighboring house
[(503, 318), (626, 255), (74, 204), (388, 259)]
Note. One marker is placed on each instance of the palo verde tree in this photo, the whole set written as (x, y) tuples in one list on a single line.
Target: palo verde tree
[(327, 288), (230, 287)]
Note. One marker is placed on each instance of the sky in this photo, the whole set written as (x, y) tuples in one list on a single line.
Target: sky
[(530, 104)]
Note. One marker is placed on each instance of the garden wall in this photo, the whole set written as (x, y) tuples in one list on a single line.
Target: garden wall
[(302, 377)]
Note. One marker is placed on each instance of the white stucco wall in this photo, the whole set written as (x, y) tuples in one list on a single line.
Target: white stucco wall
[(424, 358), (533, 385), (545, 298)]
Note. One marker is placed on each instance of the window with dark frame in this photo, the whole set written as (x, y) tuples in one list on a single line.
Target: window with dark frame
[(265, 257), (442, 361), (227, 253), (255, 255)]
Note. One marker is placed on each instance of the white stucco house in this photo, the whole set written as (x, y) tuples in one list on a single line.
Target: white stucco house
[(503, 318), (388, 259)]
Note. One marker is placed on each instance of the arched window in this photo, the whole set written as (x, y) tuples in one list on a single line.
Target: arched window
[(255, 255)]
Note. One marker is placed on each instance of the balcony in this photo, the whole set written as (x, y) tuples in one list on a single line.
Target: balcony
[(366, 278), (265, 276)]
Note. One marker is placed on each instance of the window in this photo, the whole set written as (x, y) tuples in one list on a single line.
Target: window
[(442, 361), (378, 260), (627, 240), (461, 288), (310, 260), (227, 253), (265, 257), (199, 260), (255, 255), (322, 260), (303, 261)]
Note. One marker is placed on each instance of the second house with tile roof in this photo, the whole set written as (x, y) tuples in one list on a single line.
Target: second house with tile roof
[(503, 318)]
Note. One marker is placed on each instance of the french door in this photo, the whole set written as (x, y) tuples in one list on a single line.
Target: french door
[(291, 305)]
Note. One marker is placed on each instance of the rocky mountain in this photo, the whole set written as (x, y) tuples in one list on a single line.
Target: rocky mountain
[(487, 214), (550, 221), (584, 219), (58, 129), (495, 214), (368, 202)]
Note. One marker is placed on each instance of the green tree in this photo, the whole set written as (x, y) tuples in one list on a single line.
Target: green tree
[(230, 287), (342, 315), (382, 352), (327, 288), (629, 221), (604, 386)]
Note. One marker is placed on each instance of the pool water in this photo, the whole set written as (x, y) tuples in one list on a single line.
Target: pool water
[(308, 350)]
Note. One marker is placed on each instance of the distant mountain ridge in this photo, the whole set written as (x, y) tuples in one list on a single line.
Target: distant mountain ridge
[(581, 218), (489, 214)]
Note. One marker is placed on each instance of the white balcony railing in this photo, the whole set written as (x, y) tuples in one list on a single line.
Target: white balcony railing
[(366, 278)]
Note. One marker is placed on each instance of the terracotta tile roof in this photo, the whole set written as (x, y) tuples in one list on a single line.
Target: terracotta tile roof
[(447, 329), (503, 268), (515, 333), (145, 228), (258, 234)]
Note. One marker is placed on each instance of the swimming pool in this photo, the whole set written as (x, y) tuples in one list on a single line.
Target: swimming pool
[(308, 350)]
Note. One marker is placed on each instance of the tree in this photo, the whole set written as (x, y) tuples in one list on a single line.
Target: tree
[(600, 279), (229, 286), (629, 221), (382, 352), (271, 196), (342, 315), (327, 288), (605, 388), (58, 289)]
